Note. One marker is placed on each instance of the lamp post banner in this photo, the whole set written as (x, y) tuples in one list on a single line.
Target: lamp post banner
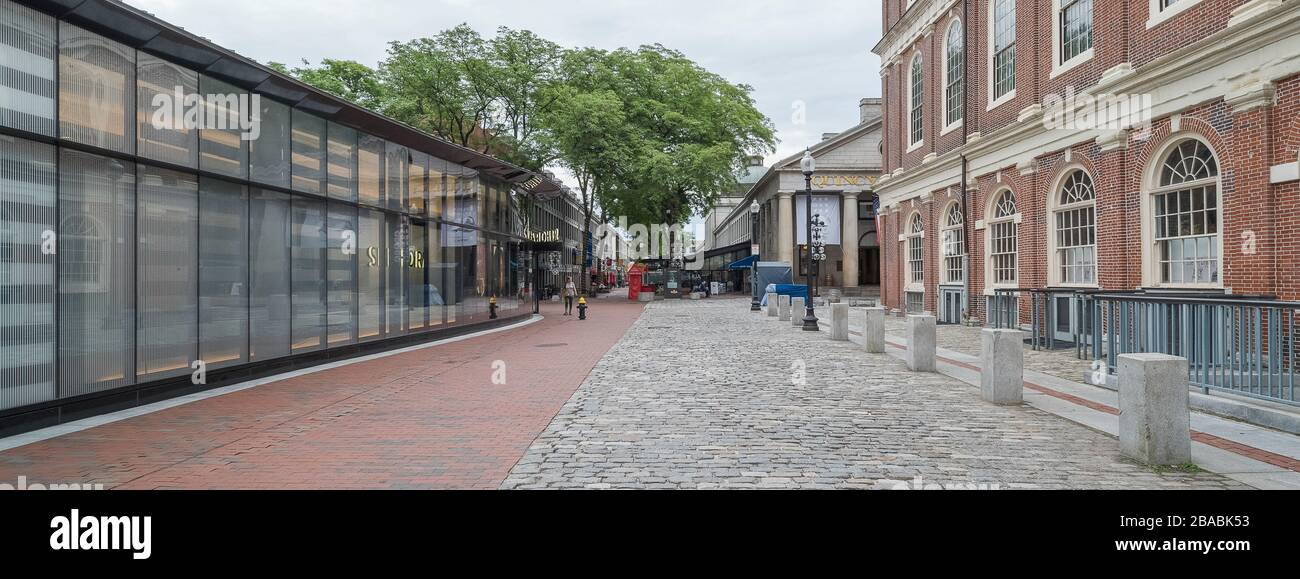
[(828, 207)]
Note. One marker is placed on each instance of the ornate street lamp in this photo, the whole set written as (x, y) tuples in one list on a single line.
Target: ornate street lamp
[(809, 166), (754, 305)]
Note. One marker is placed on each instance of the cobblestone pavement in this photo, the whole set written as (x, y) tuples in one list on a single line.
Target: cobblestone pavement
[(1059, 363), (703, 395)]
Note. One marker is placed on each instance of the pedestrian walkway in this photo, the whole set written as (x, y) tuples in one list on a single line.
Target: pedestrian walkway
[(706, 394), (1258, 456), (429, 418)]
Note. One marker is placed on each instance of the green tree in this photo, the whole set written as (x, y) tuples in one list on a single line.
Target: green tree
[(527, 68), (591, 134), (443, 85), (346, 79), (695, 131)]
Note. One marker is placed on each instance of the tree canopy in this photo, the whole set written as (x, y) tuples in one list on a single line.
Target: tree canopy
[(647, 133)]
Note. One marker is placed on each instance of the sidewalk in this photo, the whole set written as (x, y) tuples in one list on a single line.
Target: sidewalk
[(429, 418), (1260, 457)]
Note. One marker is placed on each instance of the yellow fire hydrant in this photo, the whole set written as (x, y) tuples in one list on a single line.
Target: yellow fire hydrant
[(582, 308), (492, 308)]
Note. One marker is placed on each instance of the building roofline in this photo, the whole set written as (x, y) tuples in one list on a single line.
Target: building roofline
[(143, 31)]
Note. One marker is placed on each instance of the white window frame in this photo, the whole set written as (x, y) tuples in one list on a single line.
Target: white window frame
[(1058, 67), (1054, 206), (913, 145), (1157, 16), (946, 228), (943, 105), (1151, 187), (912, 236), (997, 101), (990, 221)]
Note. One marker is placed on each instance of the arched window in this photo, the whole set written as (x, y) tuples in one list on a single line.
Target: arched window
[(917, 98), (915, 253), (954, 74), (1185, 208), (1002, 239), (954, 245), (1075, 222)]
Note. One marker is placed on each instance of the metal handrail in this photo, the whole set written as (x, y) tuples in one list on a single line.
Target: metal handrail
[(1240, 344)]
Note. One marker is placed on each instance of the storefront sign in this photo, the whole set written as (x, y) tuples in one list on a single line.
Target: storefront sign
[(842, 181), (548, 236)]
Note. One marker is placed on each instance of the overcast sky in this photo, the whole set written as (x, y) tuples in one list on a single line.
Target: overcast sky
[(816, 52)]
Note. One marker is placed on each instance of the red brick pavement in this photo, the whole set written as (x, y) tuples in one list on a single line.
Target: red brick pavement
[(425, 419)]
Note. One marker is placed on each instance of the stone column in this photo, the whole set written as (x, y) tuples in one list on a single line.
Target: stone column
[(784, 302), (1002, 362), (797, 308), (873, 333), (1154, 417), (785, 228), (921, 343), (849, 239), (840, 322), (771, 305)]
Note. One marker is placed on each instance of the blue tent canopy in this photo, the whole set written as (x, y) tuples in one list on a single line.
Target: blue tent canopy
[(746, 263)]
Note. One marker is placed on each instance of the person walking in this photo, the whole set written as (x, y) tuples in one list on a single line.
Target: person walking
[(570, 292)]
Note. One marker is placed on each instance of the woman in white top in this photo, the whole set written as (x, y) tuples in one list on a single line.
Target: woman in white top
[(570, 292)]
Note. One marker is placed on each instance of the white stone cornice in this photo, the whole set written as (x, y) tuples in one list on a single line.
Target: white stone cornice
[(910, 28), (1113, 140), (1027, 167), (1252, 10), (926, 160), (1114, 74), (1250, 96), (1030, 113)]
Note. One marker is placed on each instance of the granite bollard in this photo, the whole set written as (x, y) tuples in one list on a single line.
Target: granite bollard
[(1002, 362), (840, 322), (771, 305), (784, 303), (873, 333), (921, 343), (1154, 416), (797, 308)]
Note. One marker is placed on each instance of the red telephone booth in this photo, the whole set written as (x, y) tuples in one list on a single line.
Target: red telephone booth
[(634, 275)]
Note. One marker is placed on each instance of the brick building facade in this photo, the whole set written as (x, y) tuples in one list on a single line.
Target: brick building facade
[(1199, 190)]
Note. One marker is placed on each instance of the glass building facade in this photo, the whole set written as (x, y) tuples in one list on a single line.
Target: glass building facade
[(132, 250)]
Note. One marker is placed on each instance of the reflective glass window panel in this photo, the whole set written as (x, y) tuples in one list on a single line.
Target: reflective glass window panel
[(96, 90), (370, 170), (27, 213), (308, 237), (342, 163), (269, 279), (269, 151), (167, 260), (97, 273), (223, 140), (417, 293), (437, 187), (396, 232), (434, 267), (165, 124), (397, 174), (27, 56), (223, 273), (342, 283), (308, 153), (370, 274), (418, 184)]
